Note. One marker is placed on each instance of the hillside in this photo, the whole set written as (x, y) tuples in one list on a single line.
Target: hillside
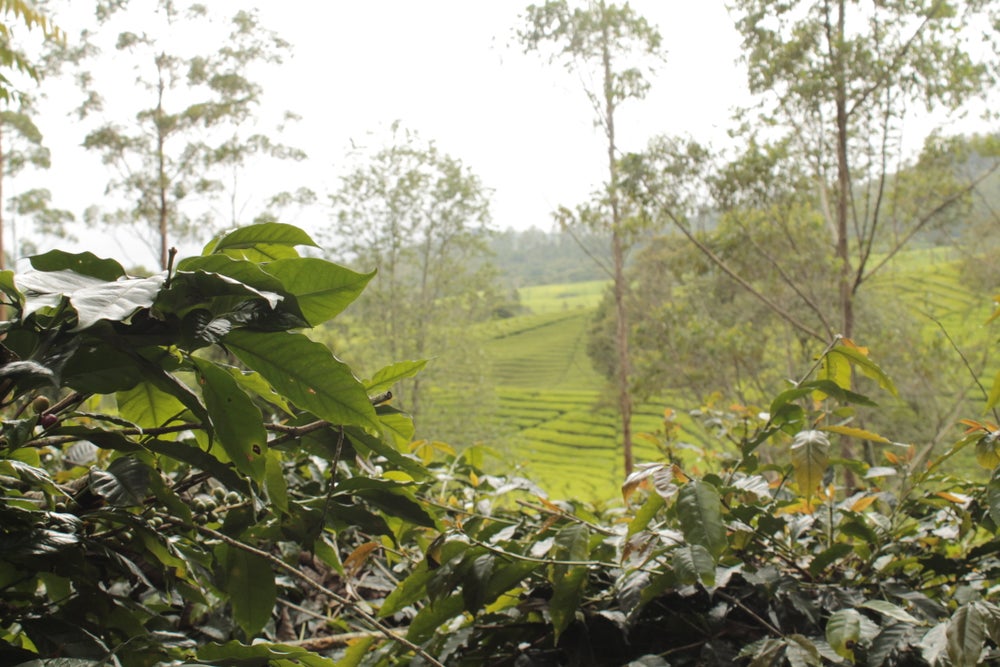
[(560, 427)]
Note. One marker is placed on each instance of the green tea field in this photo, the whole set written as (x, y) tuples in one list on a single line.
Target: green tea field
[(556, 407)]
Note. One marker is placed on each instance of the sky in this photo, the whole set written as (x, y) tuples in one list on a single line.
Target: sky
[(452, 71)]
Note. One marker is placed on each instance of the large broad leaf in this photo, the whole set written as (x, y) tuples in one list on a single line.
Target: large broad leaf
[(308, 374), (385, 378), (699, 509), (843, 631), (101, 368), (45, 289), (206, 285), (843, 353), (115, 301), (323, 289), (966, 634), (694, 564), (433, 616), (261, 242), (124, 483), (237, 422), (147, 406), (84, 263), (249, 581), (248, 273), (810, 457)]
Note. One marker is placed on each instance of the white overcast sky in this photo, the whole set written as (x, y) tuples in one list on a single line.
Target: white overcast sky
[(452, 71)]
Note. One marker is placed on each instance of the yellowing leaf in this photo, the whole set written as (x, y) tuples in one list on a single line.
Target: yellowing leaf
[(357, 558), (956, 498), (810, 457), (852, 432), (863, 503)]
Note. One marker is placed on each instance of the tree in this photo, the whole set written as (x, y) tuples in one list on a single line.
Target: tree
[(421, 218), (13, 58), (20, 139), (615, 45), (188, 123), (21, 147), (840, 79)]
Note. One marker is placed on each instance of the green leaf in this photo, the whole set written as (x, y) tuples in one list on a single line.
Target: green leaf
[(828, 556), (98, 367), (308, 374), (988, 451), (994, 396), (84, 263), (802, 652), (275, 483), (258, 654), (966, 634), (810, 457), (124, 483), (843, 631), (699, 509), (388, 496), (356, 652), (385, 378), (694, 564), (433, 616), (409, 591), (237, 422), (249, 581), (476, 576), (654, 502), (397, 427), (253, 383), (146, 406), (572, 543), (247, 273), (892, 611), (323, 289), (261, 242), (366, 443), (92, 299), (867, 367)]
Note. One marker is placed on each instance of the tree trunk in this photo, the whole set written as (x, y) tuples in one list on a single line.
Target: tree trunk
[(846, 291), (618, 259)]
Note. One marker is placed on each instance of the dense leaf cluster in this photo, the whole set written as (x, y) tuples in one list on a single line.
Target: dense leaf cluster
[(187, 478)]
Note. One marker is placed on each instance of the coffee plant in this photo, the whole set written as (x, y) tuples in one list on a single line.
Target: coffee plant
[(187, 478)]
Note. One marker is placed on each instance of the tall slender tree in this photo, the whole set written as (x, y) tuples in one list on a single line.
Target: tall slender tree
[(615, 47), (421, 218), (846, 80), (181, 149)]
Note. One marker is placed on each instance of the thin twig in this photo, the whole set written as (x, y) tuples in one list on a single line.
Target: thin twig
[(566, 515), (367, 618)]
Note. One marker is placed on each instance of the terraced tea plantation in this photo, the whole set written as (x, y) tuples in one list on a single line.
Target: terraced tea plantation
[(555, 406), (552, 400)]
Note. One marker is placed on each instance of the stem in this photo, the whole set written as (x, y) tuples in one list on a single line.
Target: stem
[(368, 619)]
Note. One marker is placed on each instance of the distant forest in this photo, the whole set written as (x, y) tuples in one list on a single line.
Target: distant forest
[(539, 257)]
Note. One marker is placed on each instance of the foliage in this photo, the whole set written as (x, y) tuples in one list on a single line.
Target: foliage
[(25, 13), (422, 218), (188, 479), (183, 140), (611, 48), (836, 83)]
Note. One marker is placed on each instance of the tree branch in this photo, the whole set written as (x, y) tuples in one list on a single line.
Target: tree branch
[(367, 618)]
